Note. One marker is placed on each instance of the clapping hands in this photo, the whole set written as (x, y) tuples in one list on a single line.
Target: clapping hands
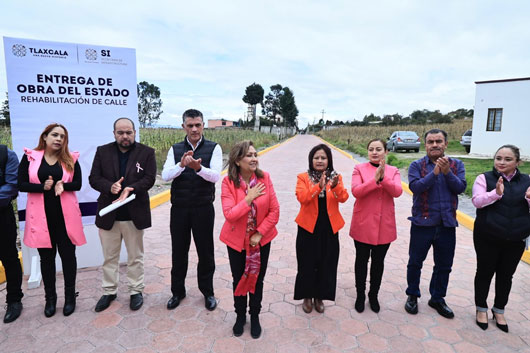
[(187, 160), (380, 172)]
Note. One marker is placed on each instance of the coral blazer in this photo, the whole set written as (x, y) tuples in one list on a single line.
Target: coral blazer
[(307, 195), (374, 220), (236, 210)]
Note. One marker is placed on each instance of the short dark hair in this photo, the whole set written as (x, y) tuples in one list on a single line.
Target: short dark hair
[(378, 140), (434, 132), (116, 121), (326, 150), (514, 149), (192, 113)]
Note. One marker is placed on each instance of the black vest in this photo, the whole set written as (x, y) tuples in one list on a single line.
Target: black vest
[(507, 218), (189, 189)]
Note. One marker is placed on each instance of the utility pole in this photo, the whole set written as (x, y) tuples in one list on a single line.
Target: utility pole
[(323, 112)]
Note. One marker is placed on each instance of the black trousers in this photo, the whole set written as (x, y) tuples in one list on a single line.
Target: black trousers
[(499, 257), (377, 253), (60, 242), (9, 254), (184, 222), (237, 265)]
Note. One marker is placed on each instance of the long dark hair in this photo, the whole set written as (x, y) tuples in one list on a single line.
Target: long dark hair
[(237, 153), (64, 156), (326, 150)]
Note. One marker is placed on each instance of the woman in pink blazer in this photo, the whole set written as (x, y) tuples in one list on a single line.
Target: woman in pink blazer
[(252, 212), (373, 226), (50, 174)]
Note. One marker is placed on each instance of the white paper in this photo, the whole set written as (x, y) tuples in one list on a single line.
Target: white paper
[(114, 206)]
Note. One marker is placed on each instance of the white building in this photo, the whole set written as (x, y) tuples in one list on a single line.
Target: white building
[(502, 116)]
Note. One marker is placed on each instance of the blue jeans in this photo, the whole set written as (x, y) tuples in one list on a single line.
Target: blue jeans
[(443, 241)]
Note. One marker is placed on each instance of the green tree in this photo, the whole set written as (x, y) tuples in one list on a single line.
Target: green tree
[(288, 108), (5, 118), (371, 117), (254, 95), (271, 105), (149, 103)]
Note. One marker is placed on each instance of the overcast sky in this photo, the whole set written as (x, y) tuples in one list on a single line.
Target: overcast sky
[(348, 58)]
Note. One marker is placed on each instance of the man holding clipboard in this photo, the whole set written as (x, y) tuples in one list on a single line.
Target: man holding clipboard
[(120, 169)]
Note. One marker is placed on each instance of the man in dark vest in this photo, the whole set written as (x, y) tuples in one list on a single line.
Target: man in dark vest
[(8, 238), (194, 165)]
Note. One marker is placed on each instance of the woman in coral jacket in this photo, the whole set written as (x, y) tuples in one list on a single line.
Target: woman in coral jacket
[(319, 191), (50, 174), (252, 212), (373, 227)]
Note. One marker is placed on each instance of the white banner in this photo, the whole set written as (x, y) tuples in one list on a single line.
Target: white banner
[(84, 87)]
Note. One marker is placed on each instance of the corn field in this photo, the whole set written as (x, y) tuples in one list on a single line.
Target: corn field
[(161, 139), (350, 137)]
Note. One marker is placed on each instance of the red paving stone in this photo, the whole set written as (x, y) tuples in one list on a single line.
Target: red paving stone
[(286, 328)]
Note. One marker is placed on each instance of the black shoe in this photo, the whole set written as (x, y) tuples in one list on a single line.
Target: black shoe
[(482, 325), (13, 311), (442, 309), (69, 303), (359, 303), (255, 327), (503, 327), (238, 326), (174, 301), (374, 303), (411, 306), (50, 306), (104, 302), (137, 300), (210, 303)]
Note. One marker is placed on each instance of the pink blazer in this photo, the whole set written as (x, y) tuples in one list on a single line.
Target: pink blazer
[(374, 220), (36, 234), (236, 209)]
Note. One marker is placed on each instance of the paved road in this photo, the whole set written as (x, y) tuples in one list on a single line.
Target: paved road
[(191, 328)]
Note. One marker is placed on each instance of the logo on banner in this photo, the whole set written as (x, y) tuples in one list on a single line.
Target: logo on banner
[(19, 50), (91, 54)]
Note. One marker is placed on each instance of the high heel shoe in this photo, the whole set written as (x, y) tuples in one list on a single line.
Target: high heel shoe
[(482, 325), (503, 327)]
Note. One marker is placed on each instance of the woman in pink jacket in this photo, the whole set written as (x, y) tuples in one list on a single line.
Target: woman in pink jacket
[(50, 174), (373, 227), (252, 212)]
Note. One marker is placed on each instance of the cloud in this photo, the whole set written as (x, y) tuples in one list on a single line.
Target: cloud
[(348, 58)]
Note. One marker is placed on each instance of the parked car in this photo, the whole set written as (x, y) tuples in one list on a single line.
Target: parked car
[(403, 140), (466, 140)]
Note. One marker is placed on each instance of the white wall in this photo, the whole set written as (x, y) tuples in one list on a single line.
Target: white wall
[(514, 99)]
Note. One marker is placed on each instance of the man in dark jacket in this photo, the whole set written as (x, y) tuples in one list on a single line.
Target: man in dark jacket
[(120, 169), (8, 238), (435, 181), (194, 165)]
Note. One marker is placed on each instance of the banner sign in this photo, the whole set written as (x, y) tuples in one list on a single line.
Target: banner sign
[(83, 87)]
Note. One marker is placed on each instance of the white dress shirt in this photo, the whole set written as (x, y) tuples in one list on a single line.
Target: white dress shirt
[(212, 174)]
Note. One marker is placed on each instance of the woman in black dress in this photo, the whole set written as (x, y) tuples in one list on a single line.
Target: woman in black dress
[(50, 174), (319, 191)]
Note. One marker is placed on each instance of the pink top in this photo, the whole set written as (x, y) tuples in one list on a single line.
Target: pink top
[(36, 233), (236, 209), (373, 220), (481, 197)]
